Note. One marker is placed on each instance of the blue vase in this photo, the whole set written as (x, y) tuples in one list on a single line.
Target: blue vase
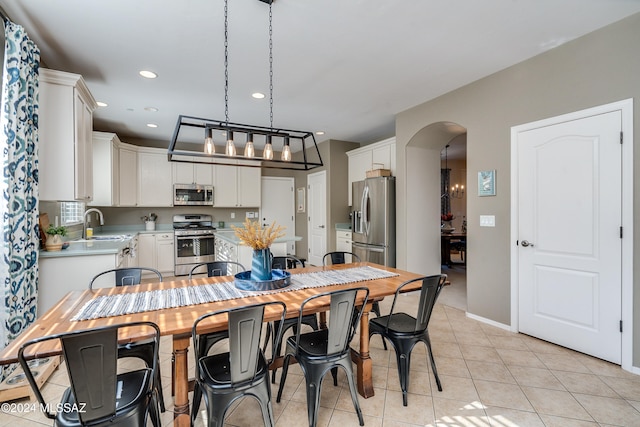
[(261, 265)]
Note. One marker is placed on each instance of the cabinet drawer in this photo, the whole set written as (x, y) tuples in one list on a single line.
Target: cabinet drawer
[(343, 235)]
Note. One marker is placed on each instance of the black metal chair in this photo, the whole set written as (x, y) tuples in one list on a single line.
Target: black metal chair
[(141, 349), (218, 268), (405, 331), (340, 257), (325, 350), (243, 370), (98, 395), (214, 269), (126, 276), (285, 263)]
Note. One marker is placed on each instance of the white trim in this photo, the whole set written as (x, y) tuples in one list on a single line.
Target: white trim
[(488, 321), (626, 108)]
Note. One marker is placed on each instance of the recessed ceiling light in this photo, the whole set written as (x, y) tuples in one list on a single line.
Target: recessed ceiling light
[(152, 125), (148, 74), (152, 109), (101, 104), (258, 95), (320, 132)]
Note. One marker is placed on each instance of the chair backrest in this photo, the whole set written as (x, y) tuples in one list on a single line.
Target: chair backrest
[(245, 331), (344, 316), (286, 262), (339, 257), (218, 268), (429, 291), (91, 359), (126, 276)]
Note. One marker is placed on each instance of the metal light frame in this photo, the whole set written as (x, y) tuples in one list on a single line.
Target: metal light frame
[(303, 142), (290, 137)]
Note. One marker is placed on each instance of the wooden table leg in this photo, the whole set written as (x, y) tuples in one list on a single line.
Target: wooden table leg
[(181, 380), (364, 365)]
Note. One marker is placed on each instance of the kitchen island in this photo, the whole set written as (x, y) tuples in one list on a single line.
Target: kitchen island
[(229, 247)]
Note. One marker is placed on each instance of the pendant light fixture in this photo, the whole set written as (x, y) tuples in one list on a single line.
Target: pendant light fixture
[(180, 147)]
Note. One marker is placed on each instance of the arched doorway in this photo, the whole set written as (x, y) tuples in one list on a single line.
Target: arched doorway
[(422, 198)]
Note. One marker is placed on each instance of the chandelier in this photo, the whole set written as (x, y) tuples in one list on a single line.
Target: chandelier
[(187, 145), (457, 191)]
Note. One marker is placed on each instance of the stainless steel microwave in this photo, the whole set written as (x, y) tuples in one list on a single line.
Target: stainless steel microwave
[(192, 195)]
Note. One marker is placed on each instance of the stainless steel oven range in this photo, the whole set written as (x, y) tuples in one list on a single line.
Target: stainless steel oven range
[(194, 237)]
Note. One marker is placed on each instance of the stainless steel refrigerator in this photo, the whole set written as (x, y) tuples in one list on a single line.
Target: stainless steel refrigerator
[(373, 220)]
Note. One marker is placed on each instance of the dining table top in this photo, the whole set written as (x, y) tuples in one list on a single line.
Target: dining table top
[(179, 320)]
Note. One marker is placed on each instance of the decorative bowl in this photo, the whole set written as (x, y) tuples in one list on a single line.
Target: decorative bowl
[(279, 279)]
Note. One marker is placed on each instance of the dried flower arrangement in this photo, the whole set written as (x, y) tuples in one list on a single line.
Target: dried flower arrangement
[(254, 235)]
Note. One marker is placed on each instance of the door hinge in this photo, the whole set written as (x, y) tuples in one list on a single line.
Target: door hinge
[(621, 137), (621, 232), (621, 326)]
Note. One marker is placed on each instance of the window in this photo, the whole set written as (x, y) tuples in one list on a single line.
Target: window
[(71, 213)]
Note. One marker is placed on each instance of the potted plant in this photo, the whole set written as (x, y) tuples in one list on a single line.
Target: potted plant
[(54, 237), (149, 221), (259, 239)]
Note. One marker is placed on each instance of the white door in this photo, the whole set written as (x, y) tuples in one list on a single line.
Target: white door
[(569, 234), (278, 204), (317, 224)]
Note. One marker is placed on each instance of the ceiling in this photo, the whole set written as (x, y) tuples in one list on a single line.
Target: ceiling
[(342, 67)]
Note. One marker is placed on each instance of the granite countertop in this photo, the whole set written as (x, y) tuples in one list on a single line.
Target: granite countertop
[(88, 248), (343, 226), (230, 236)]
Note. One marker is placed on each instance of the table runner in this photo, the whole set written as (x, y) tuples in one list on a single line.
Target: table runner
[(116, 305)]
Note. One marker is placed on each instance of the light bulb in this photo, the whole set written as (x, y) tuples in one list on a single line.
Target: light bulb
[(267, 154), (249, 150), (231, 147), (286, 150), (209, 147)]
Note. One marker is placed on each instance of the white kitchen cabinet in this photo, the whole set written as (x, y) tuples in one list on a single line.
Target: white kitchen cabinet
[(65, 125), (156, 250), (343, 243), (128, 176), (154, 178), (165, 253), (237, 186), (106, 171), (380, 155), (61, 275), (193, 173)]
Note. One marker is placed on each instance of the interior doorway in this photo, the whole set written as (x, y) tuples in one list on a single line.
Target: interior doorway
[(453, 220), (423, 232)]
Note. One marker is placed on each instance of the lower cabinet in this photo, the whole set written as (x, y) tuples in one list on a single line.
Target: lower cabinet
[(61, 275), (343, 243), (156, 250)]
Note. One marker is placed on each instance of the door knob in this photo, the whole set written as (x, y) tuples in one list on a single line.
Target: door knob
[(526, 243), (321, 226)]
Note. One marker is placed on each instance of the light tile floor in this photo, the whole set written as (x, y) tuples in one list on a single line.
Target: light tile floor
[(490, 377)]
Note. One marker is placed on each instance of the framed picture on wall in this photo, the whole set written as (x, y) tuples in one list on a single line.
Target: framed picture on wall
[(487, 183)]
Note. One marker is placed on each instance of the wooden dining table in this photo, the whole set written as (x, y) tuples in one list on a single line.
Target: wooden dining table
[(177, 322)]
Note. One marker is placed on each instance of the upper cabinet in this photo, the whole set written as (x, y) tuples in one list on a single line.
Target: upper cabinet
[(128, 175), (381, 155), (65, 126), (237, 187), (193, 173), (106, 169), (155, 183)]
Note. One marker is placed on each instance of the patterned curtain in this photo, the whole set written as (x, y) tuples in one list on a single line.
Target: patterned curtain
[(19, 204)]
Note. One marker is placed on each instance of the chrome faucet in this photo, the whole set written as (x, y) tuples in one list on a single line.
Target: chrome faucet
[(84, 223)]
